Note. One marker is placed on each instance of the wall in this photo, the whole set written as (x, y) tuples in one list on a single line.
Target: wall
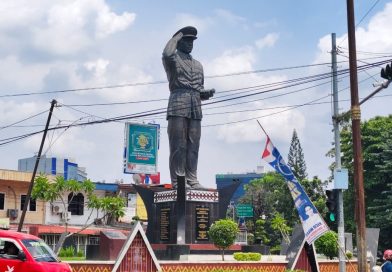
[(77, 220), (174, 266), (13, 184)]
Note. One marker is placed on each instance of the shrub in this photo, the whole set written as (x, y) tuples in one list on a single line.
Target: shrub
[(275, 249), (349, 254), (250, 238), (328, 244), (80, 253), (247, 256), (67, 252), (223, 233)]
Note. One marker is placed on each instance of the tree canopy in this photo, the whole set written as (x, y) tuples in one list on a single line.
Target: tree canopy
[(64, 192), (223, 233), (376, 136), (296, 159), (271, 197)]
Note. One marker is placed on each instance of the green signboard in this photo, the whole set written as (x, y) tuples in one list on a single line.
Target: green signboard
[(141, 148), (244, 210)]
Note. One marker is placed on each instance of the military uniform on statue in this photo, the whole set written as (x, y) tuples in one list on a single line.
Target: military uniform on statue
[(180, 217), (186, 85)]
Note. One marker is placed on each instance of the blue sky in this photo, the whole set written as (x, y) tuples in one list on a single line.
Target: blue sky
[(60, 45)]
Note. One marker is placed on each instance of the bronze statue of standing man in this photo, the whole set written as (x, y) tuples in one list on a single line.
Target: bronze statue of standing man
[(186, 84)]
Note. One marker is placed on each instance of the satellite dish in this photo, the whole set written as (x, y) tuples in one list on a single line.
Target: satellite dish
[(137, 179)]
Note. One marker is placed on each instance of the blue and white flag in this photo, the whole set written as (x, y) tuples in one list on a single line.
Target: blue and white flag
[(312, 223)]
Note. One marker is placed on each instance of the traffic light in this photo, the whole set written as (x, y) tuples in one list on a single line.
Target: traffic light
[(386, 72), (332, 204)]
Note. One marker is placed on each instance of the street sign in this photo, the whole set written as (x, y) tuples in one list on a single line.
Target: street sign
[(244, 210)]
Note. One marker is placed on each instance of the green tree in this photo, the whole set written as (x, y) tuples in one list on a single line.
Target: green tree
[(223, 233), (315, 191), (260, 232), (376, 135), (328, 244), (270, 196), (296, 159), (278, 223), (59, 190)]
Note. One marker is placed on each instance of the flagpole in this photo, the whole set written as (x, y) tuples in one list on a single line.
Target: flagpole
[(262, 128)]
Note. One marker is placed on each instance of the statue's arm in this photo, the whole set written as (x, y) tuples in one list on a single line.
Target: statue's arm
[(171, 45)]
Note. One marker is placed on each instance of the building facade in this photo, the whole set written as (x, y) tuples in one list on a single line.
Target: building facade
[(54, 166), (14, 186)]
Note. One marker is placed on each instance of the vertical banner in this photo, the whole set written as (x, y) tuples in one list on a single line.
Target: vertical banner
[(141, 148), (312, 223)]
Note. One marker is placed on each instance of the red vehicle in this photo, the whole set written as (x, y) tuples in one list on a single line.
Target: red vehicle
[(20, 252)]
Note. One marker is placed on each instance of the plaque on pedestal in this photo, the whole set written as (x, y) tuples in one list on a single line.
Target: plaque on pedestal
[(183, 216)]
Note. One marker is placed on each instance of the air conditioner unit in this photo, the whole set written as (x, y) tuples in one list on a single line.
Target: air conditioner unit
[(66, 216), (12, 213), (56, 209)]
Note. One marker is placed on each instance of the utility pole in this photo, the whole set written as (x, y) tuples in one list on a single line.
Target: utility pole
[(338, 162), (357, 148), (28, 196)]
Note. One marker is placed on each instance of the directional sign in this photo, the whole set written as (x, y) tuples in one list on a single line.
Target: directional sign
[(244, 210)]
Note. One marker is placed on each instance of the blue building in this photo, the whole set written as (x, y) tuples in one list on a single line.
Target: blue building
[(55, 166), (223, 180)]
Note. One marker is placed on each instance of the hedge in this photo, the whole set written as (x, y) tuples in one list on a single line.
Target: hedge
[(247, 256)]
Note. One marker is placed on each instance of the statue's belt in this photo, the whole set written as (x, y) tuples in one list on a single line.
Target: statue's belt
[(191, 91)]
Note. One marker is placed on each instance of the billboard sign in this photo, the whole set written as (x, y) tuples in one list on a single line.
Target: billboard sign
[(141, 148)]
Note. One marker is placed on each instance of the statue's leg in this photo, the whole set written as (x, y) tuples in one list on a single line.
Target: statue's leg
[(176, 131), (192, 154)]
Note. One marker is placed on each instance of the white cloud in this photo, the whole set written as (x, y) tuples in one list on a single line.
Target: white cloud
[(21, 75), (229, 17), (98, 67), (11, 111), (108, 22), (376, 37), (20, 13), (62, 27), (186, 19), (101, 72), (62, 143), (233, 61), (279, 125), (267, 41)]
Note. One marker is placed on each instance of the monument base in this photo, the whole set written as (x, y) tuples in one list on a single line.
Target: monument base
[(183, 216), (172, 252)]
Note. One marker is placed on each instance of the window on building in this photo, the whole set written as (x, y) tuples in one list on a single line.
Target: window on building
[(32, 204), (93, 240), (76, 204), (2, 197)]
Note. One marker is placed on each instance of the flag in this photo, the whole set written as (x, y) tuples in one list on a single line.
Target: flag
[(312, 223)]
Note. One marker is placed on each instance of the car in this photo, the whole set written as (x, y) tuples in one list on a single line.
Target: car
[(21, 252)]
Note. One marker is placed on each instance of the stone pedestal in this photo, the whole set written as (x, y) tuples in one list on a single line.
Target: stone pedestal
[(183, 216)]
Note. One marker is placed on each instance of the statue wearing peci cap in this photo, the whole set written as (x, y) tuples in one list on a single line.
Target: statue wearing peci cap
[(186, 85)]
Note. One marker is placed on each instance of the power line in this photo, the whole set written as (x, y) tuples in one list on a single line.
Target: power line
[(160, 81), (25, 119), (163, 110), (248, 89)]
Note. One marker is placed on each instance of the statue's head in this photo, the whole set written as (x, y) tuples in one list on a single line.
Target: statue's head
[(186, 43)]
